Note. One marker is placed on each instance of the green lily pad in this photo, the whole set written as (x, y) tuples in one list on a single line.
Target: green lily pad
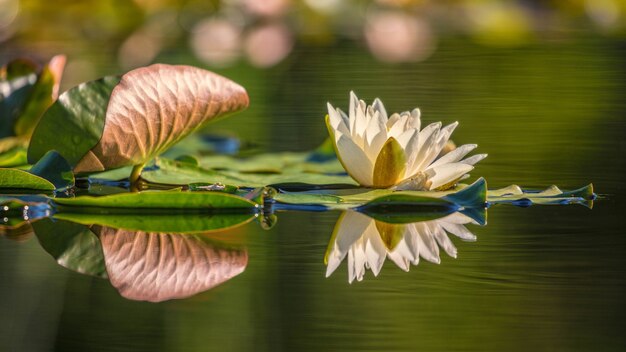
[(550, 196), (404, 207), (50, 173), (54, 168), (472, 196), (352, 197), (308, 198), (14, 157), (74, 123), (180, 173), (112, 175), (155, 200), (20, 179)]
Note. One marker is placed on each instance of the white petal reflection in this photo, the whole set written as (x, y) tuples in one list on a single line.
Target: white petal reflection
[(367, 242)]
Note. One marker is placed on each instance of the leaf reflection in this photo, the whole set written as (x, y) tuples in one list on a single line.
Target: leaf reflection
[(20, 232), (368, 242), (151, 266), (144, 264)]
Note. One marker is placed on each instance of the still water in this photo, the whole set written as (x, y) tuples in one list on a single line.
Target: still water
[(540, 278)]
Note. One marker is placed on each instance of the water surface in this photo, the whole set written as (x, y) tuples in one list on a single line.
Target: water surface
[(538, 278)]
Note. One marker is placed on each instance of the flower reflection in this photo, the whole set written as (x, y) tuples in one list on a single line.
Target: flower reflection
[(367, 242)]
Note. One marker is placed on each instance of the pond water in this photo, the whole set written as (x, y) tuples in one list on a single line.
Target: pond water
[(537, 278)]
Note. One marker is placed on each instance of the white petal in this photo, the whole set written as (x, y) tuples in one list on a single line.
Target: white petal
[(370, 112), (411, 151), (415, 121), (436, 146), (444, 174), (346, 119), (336, 121), (399, 126), (360, 123), (375, 138), (454, 155), (405, 137), (472, 160), (426, 139), (450, 128), (395, 117), (378, 106), (354, 104), (427, 132), (354, 159), (443, 137)]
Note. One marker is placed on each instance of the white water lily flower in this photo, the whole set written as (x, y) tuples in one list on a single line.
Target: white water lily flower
[(381, 152), (367, 242)]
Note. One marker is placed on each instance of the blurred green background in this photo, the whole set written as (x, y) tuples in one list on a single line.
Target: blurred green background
[(539, 85)]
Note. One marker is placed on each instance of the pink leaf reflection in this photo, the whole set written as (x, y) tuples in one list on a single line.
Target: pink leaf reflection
[(155, 267)]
